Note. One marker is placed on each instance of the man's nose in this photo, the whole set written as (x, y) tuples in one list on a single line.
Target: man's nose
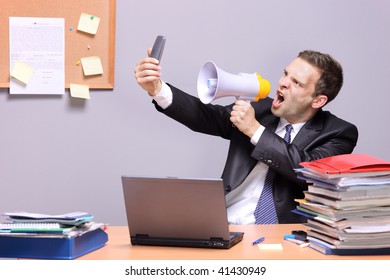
[(284, 82)]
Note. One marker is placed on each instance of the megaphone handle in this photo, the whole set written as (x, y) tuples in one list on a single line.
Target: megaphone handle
[(247, 100), (230, 110)]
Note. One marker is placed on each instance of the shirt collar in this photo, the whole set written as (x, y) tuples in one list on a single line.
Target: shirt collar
[(283, 122)]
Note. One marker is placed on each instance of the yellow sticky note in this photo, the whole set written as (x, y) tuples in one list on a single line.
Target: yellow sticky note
[(88, 23), (22, 72), (79, 91), (92, 65)]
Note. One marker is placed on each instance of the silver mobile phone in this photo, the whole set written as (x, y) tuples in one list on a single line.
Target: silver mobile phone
[(158, 47)]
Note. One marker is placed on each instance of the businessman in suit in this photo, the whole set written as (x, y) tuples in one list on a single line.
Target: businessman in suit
[(256, 132)]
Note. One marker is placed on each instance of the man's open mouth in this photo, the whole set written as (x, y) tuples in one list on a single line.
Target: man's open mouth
[(280, 97)]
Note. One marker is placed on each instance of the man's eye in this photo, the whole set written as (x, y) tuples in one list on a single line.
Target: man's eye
[(297, 83)]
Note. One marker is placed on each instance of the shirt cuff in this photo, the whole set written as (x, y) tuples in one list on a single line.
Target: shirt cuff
[(255, 138), (164, 97)]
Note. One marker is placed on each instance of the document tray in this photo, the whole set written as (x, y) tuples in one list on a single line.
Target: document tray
[(59, 248)]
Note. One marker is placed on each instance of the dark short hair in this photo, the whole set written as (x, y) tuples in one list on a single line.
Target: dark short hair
[(331, 79)]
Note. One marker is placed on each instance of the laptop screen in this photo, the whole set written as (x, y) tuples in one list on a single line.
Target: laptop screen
[(176, 207)]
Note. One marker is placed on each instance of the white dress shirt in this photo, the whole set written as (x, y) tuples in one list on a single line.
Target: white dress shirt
[(242, 201)]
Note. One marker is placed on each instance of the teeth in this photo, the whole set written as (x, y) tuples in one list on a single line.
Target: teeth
[(280, 98)]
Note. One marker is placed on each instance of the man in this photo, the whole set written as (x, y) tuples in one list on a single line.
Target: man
[(256, 131)]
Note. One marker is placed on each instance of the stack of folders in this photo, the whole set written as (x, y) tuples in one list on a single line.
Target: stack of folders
[(347, 204), (42, 236)]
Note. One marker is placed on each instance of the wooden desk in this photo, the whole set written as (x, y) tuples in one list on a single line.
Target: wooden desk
[(119, 248)]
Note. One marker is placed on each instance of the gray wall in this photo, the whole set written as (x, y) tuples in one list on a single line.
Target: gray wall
[(59, 154)]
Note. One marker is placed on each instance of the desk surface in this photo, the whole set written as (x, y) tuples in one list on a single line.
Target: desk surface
[(119, 248)]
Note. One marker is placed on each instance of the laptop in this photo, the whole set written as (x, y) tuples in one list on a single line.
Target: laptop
[(179, 212)]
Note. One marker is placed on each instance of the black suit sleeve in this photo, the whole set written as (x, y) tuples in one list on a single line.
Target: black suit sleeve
[(325, 135), (204, 118)]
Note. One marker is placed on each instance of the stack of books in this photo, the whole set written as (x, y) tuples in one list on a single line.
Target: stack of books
[(347, 204), (67, 236)]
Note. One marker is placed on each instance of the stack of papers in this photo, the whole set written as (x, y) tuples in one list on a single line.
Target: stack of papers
[(42, 236), (43, 225), (347, 204)]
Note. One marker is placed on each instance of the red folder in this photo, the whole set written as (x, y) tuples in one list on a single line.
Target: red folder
[(349, 164)]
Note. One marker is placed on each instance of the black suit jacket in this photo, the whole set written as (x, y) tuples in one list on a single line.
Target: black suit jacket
[(322, 136)]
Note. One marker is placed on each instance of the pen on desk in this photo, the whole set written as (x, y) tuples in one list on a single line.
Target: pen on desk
[(304, 245), (292, 236), (296, 241), (297, 237), (261, 239)]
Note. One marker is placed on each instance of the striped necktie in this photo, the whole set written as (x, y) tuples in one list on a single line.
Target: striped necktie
[(265, 212)]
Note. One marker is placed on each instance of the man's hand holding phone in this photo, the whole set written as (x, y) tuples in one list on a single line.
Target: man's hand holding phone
[(147, 71)]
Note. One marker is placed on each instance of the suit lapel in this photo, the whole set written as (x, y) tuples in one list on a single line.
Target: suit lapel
[(309, 131), (270, 122)]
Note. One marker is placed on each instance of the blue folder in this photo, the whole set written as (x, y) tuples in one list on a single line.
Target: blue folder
[(52, 247), (347, 251)]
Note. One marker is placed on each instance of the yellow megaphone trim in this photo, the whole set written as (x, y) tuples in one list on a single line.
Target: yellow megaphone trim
[(264, 88)]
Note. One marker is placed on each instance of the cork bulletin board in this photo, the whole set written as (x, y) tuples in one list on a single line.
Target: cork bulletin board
[(77, 44)]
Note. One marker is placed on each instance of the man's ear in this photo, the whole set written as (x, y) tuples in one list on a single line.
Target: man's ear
[(319, 101)]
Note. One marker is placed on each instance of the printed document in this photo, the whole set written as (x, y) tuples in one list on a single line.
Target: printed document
[(37, 55)]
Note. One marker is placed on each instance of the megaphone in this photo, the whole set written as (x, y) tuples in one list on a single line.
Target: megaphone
[(214, 83)]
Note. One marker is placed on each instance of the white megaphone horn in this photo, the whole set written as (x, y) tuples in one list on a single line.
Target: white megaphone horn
[(215, 83)]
